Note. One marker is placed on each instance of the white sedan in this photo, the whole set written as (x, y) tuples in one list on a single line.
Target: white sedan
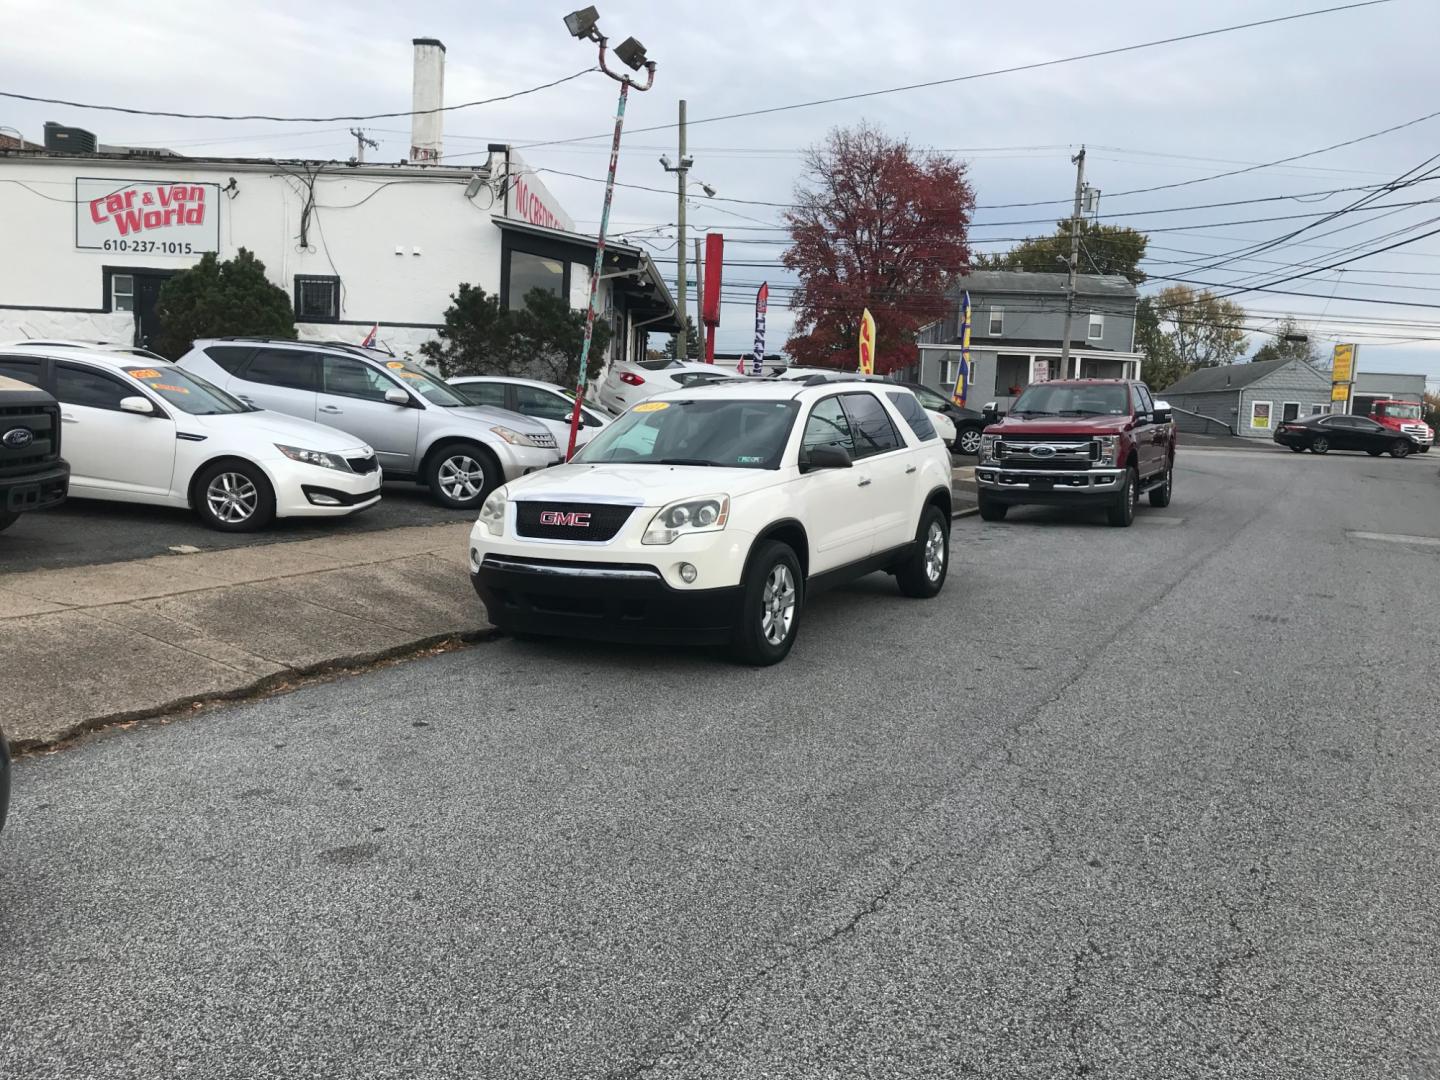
[(629, 382), (551, 405), (145, 431)]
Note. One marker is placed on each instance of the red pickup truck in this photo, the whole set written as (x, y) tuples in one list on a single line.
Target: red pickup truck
[(1080, 442)]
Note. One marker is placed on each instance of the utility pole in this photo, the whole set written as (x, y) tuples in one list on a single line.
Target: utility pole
[(361, 142), (1079, 160), (682, 181)]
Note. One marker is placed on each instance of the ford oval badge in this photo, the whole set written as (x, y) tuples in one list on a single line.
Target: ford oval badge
[(18, 438), (1042, 451)]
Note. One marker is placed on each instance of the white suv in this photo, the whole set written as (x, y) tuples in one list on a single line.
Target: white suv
[(709, 514), (144, 431)]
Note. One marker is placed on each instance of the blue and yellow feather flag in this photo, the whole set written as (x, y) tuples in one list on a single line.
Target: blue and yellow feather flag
[(963, 380)]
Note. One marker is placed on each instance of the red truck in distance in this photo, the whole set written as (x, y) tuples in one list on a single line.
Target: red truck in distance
[(1406, 418), (1078, 442)]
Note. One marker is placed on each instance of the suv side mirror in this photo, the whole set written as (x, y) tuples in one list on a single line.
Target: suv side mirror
[(138, 405), (825, 457), (397, 397)]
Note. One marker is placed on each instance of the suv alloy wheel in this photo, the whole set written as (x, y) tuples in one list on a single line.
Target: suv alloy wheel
[(922, 574), (460, 475), (968, 441), (770, 606)]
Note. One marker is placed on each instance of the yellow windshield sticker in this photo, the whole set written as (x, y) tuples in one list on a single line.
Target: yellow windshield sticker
[(395, 365), (651, 406), (143, 373)]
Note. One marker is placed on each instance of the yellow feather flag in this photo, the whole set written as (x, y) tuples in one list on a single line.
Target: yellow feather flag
[(867, 343)]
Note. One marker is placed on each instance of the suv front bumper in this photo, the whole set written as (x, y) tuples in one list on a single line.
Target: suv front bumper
[(1063, 487), (628, 602)]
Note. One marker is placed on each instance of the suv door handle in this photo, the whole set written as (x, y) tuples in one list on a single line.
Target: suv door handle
[(328, 409), (865, 482)]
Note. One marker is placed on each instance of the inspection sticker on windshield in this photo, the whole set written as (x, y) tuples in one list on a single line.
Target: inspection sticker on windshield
[(749, 459), (651, 406)]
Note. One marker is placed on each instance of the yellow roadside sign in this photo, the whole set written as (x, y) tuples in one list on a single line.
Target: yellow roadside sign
[(1340, 392), (1342, 367)]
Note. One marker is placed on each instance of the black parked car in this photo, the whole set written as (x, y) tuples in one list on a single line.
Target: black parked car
[(968, 423), (1321, 434)]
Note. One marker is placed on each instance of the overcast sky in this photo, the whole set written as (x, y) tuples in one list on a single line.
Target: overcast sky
[(1157, 116)]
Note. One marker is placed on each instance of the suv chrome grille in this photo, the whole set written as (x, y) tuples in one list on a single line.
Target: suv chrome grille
[(592, 522)]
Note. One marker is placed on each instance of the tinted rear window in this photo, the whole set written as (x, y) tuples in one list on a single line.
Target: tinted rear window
[(285, 367), (230, 358), (910, 409)]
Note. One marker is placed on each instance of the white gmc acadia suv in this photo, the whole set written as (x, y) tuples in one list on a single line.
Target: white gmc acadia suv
[(709, 514)]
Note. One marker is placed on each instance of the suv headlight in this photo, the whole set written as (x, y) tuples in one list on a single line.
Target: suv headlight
[(492, 513), (519, 438), (987, 446), (314, 457), (707, 514), (1105, 449)]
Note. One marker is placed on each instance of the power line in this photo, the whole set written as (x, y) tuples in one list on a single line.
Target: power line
[(301, 119), (985, 74)]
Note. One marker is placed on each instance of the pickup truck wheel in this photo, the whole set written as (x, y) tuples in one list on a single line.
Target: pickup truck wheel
[(1122, 513), (968, 441), (769, 606), (922, 574), (1400, 448), (1160, 496), (990, 510), (6, 520), (1320, 446)]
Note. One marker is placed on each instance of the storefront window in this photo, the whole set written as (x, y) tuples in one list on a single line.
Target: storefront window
[(122, 292), (529, 272)]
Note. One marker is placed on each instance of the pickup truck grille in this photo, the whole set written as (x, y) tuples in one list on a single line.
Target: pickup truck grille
[(1418, 430), (1048, 454), (593, 522), (43, 445)]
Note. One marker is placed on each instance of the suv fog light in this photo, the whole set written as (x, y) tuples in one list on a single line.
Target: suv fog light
[(688, 573), (474, 561)]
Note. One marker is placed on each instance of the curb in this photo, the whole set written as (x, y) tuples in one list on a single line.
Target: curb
[(268, 686)]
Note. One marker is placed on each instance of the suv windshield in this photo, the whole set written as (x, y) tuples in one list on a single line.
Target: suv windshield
[(733, 434), (428, 386), (188, 393), (1074, 399)]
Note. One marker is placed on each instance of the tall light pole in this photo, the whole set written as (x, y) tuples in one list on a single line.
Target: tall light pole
[(584, 25), (682, 185), (1074, 263)]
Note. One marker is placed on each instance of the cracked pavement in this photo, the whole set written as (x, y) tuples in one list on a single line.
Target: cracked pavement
[(1154, 803)]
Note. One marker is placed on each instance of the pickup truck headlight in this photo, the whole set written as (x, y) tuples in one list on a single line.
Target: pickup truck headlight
[(314, 457), (492, 514), (1105, 449), (706, 514), (519, 438), (987, 447)]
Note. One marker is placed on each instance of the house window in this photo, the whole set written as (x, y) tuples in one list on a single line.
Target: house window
[(1319, 410), (122, 292), (1012, 374), (1097, 327), (1260, 415), (1290, 410), (529, 272), (317, 298), (997, 322)]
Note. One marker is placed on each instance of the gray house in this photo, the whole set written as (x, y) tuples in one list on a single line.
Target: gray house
[(1251, 398), (1017, 320)]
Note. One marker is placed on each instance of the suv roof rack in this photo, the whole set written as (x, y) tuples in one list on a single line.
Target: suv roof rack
[(343, 346)]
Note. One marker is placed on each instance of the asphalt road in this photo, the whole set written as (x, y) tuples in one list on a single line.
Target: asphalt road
[(82, 532), (1156, 803)]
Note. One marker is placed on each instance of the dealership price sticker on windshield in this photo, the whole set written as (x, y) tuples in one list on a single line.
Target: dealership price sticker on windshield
[(651, 406)]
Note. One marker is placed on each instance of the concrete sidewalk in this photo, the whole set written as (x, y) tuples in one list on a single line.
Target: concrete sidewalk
[(116, 641), (86, 646)]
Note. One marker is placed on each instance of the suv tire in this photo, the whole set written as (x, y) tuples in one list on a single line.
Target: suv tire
[(6, 520), (1122, 513), (990, 510), (460, 475), (234, 496), (771, 599), (1160, 496), (922, 574)]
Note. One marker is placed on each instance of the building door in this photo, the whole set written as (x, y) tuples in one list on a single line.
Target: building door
[(147, 320)]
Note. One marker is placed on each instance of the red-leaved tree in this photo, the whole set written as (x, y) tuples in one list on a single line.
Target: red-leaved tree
[(876, 224)]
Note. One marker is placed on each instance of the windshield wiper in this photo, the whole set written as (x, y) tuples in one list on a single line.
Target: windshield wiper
[(683, 461), (1034, 412)]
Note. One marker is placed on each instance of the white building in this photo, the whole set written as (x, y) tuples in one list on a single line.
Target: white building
[(90, 235)]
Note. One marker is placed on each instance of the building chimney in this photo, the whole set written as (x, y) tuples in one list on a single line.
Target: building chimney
[(426, 127)]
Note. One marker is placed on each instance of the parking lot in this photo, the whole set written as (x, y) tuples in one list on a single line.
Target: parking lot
[(1156, 802)]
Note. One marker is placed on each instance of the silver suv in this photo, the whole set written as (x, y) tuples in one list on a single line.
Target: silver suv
[(420, 428)]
